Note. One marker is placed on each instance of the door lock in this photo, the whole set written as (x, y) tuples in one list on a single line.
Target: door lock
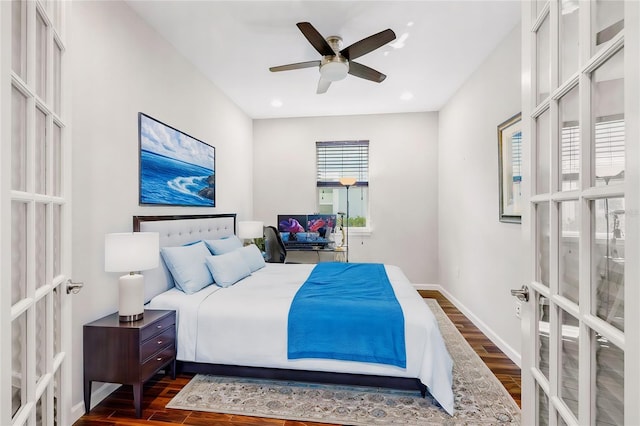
[(522, 294)]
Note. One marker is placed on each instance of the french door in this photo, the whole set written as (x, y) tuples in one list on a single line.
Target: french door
[(34, 215), (581, 122)]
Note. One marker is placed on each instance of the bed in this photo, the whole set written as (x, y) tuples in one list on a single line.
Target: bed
[(241, 330)]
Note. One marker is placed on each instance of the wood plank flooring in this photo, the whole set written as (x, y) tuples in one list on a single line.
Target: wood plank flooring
[(117, 409)]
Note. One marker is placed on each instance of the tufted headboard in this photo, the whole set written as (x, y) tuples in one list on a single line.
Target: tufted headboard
[(176, 231)]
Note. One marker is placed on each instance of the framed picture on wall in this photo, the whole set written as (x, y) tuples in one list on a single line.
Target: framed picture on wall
[(175, 169), (510, 169)]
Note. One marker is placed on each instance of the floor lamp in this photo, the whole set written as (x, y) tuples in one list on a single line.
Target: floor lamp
[(347, 182)]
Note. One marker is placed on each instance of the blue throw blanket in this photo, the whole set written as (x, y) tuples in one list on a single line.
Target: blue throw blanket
[(347, 311)]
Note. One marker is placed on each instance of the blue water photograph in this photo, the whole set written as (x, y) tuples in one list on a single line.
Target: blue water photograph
[(175, 168)]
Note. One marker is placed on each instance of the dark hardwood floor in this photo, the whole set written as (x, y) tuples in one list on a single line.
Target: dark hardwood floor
[(117, 409)]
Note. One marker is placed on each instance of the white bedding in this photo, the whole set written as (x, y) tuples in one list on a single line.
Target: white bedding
[(246, 325)]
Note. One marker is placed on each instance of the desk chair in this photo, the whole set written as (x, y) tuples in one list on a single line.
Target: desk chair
[(273, 246)]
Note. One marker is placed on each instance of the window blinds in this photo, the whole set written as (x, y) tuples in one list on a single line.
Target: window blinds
[(336, 159), (609, 148)]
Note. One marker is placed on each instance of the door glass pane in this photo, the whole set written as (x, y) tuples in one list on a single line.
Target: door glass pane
[(569, 361), (608, 118), (543, 408), (57, 242), (543, 154), (41, 244), (543, 335), (18, 140), (41, 56), (18, 330), (41, 337), (569, 141), (18, 38), (542, 243), (609, 386), (543, 64), (561, 421), (609, 21), (57, 78), (40, 165), (608, 259), (57, 160), (18, 251), (569, 250), (569, 44)]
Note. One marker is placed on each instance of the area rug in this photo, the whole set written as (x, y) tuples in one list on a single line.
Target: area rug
[(479, 397)]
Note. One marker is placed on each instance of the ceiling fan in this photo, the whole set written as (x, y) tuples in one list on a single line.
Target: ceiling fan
[(336, 63)]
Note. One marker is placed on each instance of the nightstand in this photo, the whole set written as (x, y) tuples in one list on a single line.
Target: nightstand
[(129, 352)]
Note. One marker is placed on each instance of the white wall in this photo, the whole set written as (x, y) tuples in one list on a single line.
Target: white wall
[(119, 67), (403, 156), (480, 257)]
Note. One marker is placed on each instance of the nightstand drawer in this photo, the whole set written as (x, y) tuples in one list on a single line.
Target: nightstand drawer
[(150, 367), (156, 343), (157, 327)]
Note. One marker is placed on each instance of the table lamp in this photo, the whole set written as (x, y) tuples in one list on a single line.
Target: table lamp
[(248, 230), (348, 182), (131, 252)]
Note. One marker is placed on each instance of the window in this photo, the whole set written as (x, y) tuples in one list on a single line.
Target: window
[(337, 159)]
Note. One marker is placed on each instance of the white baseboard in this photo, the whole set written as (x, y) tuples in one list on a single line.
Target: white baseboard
[(513, 355), (97, 396)]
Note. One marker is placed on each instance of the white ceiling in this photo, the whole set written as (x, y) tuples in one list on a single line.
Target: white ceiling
[(235, 42)]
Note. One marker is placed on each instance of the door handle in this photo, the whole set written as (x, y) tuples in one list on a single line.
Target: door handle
[(522, 294), (74, 287)]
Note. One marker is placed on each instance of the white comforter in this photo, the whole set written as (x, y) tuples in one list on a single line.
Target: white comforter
[(246, 324)]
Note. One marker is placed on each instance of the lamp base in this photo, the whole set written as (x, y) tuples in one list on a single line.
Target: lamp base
[(130, 318), (131, 298)]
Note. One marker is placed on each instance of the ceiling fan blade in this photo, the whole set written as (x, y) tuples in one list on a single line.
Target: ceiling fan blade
[(323, 85), (368, 44), (295, 66), (315, 38), (365, 72)]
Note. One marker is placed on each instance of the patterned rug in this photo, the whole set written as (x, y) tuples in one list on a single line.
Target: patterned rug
[(479, 397)]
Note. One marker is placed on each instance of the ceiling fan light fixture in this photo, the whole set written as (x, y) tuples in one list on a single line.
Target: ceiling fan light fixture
[(334, 70)]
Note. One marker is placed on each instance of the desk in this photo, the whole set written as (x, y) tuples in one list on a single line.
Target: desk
[(314, 254)]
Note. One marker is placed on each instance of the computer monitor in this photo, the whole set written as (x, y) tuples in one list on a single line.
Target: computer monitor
[(292, 223), (323, 224)]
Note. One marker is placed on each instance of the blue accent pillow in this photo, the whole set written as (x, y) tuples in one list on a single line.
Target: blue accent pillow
[(188, 267), (227, 269), (223, 245), (252, 256)]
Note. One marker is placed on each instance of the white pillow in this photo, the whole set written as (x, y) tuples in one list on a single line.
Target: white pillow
[(252, 256), (227, 269), (188, 266), (223, 245)]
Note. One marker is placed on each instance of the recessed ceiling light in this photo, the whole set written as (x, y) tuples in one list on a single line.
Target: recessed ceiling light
[(386, 53), (276, 103), (406, 96), (399, 43), (410, 24)]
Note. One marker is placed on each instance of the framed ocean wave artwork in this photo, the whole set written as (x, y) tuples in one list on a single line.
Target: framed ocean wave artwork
[(175, 169)]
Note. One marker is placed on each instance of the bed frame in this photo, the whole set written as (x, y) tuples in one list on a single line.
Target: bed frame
[(181, 229)]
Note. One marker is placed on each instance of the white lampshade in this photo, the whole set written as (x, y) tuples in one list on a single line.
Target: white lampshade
[(131, 251), (248, 230)]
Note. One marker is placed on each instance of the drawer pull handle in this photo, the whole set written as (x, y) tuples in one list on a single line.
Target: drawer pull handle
[(158, 359), (158, 326), (159, 342)]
